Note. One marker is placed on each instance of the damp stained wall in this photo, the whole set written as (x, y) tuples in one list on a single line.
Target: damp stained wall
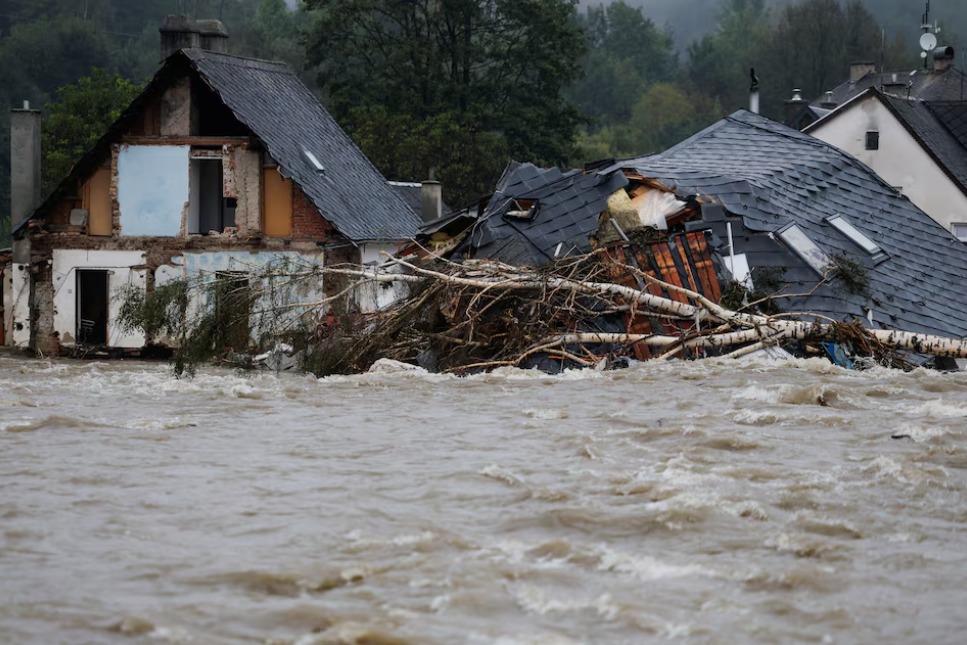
[(17, 305), (273, 308), (123, 270), (153, 189), (373, 296)]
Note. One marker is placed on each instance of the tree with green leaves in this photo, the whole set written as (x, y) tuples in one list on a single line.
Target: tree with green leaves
[(74, 122), (627, 55), (486, 71)]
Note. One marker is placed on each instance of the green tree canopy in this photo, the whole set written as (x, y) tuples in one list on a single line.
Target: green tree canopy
[(74, 122), (492, 68)]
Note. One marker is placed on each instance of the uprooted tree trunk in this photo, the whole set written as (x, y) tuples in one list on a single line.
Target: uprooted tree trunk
[(724, 328), (483, 314)]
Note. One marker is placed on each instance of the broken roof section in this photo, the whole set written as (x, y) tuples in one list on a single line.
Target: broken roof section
[(308, 144), (537, 214), (788, 186)]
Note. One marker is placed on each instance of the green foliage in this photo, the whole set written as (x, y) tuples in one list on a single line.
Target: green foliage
[(82, 113), (628, 54), (490, 72), (466, 160), (849, 274)]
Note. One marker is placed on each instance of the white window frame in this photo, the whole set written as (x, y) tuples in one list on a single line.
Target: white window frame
[(797, 240), (962, 227), (854, 235)]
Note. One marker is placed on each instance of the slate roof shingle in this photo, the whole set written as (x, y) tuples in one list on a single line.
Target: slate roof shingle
[(281, 111), (927, 85), (569, 205), (921, 283)]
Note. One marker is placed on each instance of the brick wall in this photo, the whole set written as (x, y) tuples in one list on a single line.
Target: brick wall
[(307, 223)]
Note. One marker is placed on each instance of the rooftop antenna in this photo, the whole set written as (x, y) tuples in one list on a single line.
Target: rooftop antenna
[(928, 41)]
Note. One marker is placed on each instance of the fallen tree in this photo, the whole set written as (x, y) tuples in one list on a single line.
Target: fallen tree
[(479, 315)]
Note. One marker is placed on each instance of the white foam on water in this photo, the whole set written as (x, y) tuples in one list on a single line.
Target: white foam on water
[(500, 473), (547, 414), (537, 600), (646, 568)]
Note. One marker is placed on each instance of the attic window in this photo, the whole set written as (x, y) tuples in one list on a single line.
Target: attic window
[(314, 161), (805, 248), (872, 140), (840, 224), (523, 209)]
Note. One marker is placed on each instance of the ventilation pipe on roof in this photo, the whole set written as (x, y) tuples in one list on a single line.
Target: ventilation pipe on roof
[(754, 92), (943, 58), (431, 194), (829, 103)]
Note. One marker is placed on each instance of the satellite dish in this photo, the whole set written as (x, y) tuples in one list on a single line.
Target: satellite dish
[(928, 42)]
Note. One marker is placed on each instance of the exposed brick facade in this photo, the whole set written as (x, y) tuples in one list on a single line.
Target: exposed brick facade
[(307, 223)]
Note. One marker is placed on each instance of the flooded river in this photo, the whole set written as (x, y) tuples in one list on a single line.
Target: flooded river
[(685, 503)]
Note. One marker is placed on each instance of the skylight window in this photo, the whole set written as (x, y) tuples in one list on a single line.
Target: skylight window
[(314, 161), (805, 248), (840, 224)]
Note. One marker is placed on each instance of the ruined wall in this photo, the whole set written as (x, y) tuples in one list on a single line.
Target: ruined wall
[(124, 268), (175, 109), (242, 170), (375, 296), (16, 291)]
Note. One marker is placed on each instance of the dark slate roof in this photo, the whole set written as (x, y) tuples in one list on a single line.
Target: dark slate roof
[(768, 176), (922, 122), (569, 205), (953, 114), (927, 85), (281, 111)]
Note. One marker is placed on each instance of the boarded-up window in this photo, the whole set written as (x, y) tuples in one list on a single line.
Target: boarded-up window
[(96, 200), (276, 203)]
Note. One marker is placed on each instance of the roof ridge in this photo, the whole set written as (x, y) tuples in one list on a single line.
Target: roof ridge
[(248, 59)]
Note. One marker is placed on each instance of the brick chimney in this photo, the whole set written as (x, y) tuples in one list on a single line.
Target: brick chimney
[(860, 69), (213, 35), (179, 32), (794, 107), (24, 163)]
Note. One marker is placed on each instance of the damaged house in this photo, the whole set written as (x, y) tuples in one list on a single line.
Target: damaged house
[(222, 167), (745, 208)]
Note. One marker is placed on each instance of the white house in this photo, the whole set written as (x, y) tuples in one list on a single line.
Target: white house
[(919, 147)]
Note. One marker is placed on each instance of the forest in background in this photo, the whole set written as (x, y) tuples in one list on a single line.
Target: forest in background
[(473, 84)]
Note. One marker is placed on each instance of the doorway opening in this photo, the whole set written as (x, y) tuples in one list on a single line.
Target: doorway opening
[(93, 299)]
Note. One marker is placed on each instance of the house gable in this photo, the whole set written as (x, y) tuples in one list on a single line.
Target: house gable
[(923, 165)]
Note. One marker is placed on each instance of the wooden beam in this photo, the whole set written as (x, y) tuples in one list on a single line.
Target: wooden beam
[(188, 141)]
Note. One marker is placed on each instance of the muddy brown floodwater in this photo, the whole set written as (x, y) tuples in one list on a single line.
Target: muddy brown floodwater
[(705, 502)]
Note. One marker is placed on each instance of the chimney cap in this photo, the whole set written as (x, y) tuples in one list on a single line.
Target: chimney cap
[(211, 27), (177, 24)]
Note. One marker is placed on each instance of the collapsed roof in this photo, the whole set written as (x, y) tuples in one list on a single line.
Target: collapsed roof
[(772, 179)]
